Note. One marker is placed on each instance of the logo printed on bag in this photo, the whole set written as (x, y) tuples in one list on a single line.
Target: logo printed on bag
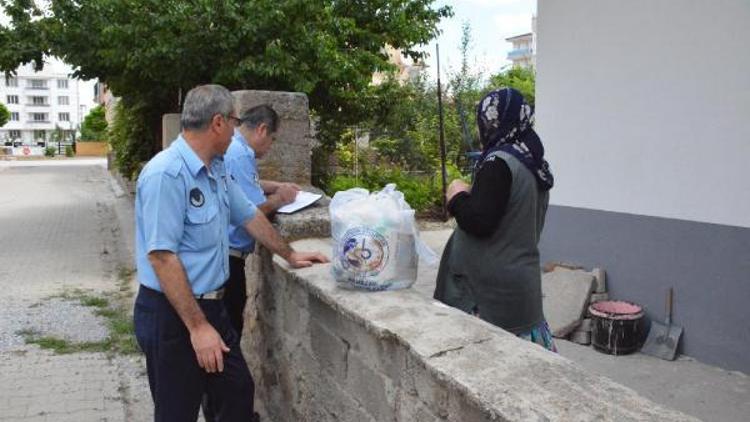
[(363, 251)]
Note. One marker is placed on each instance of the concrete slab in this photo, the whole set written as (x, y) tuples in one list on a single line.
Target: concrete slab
[(566, 295), (700, 390)]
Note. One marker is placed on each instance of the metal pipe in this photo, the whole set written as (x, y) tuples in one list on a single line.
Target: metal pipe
[(442, 135)]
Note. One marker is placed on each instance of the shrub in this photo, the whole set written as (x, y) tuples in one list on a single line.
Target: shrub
[(69, 151), (50, 151), (130, 138), (4, 115), (422, 192), (94, 126)]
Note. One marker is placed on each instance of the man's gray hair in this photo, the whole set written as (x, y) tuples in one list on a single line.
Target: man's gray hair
[(202, 103), (263, 113)]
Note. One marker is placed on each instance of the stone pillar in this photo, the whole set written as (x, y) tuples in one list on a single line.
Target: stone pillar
[(288, 160), (290, 157), (170, 128)]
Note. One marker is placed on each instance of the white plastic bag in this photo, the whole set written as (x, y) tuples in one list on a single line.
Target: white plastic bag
[(376, 244)]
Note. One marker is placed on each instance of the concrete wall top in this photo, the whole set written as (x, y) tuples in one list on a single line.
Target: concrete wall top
[(501, 376)]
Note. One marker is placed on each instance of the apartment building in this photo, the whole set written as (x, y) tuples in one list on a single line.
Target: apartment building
[(42, 102), (523, 53)]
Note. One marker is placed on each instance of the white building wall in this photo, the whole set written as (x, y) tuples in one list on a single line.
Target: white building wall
[(663, 130)]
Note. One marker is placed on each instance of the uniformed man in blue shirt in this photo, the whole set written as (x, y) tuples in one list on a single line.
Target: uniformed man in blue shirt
[(251, 140), (184, 203)]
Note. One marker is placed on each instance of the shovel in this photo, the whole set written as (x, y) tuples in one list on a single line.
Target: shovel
[(663, 338)]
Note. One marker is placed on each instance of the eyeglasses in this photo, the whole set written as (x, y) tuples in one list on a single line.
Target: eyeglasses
[(236, 121)]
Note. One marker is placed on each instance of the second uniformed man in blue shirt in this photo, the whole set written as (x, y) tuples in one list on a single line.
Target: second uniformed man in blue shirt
[(251, 140), (184, 203)]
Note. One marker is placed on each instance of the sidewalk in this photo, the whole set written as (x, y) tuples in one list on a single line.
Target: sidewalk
[(706, 392), (60, 232)]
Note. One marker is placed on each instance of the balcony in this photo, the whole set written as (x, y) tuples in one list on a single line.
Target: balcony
[(520, 53), (36, 88), (37, 105)]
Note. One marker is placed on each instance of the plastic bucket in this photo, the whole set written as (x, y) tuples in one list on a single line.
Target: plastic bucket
[(617, 327)]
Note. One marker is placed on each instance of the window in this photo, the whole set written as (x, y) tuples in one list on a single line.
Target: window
[(39, 117), (12, 99), (14, 116), (40, 134), (15, 134), (63, 100), (63, 117), (62, 83), (39, 100), (38, 83), (12, 82)]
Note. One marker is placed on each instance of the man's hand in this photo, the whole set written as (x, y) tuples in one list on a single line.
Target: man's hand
[(262, 231), (208, 345), (306, 259), (269, 187), (291, 185), (455, 187), (280, 195), (209, 348), (286, 193)]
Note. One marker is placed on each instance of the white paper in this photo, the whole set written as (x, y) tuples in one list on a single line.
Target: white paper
[(302, 200)]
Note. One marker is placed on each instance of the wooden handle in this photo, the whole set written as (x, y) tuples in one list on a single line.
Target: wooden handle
[(670, 293)]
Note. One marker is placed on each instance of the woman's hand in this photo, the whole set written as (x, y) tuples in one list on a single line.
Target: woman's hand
[(455, 187)]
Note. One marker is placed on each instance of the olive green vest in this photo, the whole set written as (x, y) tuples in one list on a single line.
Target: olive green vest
[(499, 276)]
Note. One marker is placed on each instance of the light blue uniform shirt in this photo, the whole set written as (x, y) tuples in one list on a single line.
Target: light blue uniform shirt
[(240, 162), (182, 208)]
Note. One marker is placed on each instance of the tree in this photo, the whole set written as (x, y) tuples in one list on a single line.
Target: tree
[(4, 115), (150, 52), (466, 87), (58, 135), (94, 126), (519, 78), (406, 123)]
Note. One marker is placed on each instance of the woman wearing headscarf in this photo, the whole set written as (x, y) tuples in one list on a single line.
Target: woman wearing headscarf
[(490, 266)]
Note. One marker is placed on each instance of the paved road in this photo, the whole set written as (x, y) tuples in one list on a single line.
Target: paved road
[(59, 230)]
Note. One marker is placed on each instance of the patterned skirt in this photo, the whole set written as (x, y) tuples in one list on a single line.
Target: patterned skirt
[(540, 335)]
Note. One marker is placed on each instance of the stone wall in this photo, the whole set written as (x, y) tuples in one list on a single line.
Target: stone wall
[(290, 157), (170, 128), (321, 353)]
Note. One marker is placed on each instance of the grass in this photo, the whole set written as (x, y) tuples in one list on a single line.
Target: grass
[(121, 338), (62, 346)]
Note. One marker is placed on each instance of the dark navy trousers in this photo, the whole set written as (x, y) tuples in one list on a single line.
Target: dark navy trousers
[(235, 295), (177, 382)]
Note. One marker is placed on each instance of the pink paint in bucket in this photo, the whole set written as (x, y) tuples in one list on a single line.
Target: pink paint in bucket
[(616, 309), (617, 327)]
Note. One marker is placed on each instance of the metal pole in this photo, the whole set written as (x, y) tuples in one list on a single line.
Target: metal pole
[(442, 135), (356, 158)]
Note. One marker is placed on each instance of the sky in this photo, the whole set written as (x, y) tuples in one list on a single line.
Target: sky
[(491, 21)]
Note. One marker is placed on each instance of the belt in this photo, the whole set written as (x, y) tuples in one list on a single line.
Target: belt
[(212, 295), (238, 253)]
